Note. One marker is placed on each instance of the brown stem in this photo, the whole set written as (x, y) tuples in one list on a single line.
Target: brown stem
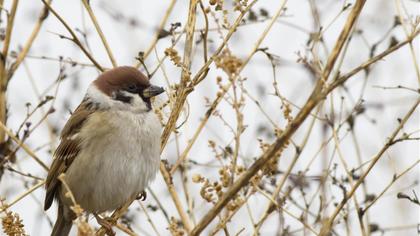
[(22, 55), (3, 70), (281, 141), (100, 33), (74, 38), (326, 227), (158, 32)]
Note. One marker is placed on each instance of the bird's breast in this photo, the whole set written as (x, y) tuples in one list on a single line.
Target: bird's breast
[(118, 159)]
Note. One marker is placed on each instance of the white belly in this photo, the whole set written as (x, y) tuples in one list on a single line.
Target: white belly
[(118, 162)]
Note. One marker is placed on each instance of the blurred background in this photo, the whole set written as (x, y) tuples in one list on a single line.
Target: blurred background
[(363, 113)]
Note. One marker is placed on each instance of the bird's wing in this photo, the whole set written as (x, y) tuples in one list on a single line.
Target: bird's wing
[(67, 150)]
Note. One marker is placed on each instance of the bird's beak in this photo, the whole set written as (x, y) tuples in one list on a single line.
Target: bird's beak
[(152, 91)]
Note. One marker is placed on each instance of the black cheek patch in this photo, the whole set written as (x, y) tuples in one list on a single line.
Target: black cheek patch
[(122, 98)]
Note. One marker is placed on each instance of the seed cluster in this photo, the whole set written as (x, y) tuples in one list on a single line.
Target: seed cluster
[(272, 165), (218, 4), (240, 5), (175, 227), (228, 62), (12, 224), (287, 111), (173, 55)]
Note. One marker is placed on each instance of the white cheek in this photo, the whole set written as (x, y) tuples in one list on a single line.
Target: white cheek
[(137, 105), (99, 97)]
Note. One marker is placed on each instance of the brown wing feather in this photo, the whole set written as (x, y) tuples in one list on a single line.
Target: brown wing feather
[(67, 150)]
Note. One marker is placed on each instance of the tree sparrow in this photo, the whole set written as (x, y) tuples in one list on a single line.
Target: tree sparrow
[(109, 149)]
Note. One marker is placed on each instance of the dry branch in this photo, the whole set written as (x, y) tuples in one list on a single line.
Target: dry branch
[(22, 55), (74, 38), (312, 101), (3, 70), (159, 31), (239, 175), (100, 33), (326, 227)]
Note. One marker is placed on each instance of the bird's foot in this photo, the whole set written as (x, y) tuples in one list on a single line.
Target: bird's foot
[(107, 223), (142, 196)]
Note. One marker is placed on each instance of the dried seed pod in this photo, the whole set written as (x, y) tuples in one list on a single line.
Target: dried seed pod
[(173, 55), (228, 62), (12, 224), (197, 178), (175, 227)]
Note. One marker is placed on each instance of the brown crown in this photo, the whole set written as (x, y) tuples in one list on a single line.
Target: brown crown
[(119, 78)]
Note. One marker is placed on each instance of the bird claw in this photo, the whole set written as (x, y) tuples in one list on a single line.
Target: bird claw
[(106, 223), (142, 196)]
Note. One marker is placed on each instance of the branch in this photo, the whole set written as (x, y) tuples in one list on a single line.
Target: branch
[(198, 78), (185, 77), (101, 34), (281, 141), (326, 227), (21, 56), (10, 24), (158, 32), (20, 197), (26, 148), (340, 80), (3, 72), (394, 179), (74, 37)]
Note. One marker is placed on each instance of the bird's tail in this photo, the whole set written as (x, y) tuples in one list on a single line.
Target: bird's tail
[(63, 224)]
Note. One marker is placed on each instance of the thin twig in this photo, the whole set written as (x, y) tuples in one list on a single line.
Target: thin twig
[(394, 179), (3, 71), (148, 218), (326, 227), (74, 37), (341, 79), (100, 33), (312, 101), (20, 197), (22, 54), (158, 32), (198, 78), (20, 144)]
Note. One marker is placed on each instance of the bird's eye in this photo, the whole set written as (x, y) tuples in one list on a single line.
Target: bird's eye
[(132, 88)]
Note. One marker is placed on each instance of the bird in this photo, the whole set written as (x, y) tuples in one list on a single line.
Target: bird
[(109, 149)]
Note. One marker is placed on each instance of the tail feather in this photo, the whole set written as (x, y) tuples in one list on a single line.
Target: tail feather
[(63, 224)]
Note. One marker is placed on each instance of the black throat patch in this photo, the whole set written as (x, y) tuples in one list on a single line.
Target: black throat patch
[(121, 97)]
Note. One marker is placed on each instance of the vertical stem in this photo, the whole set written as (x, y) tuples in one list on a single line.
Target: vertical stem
[(101, 34), (161, 26), (185, 77), (3, 71), (192, 13), (3, 103), (28, 44), (326, 227), (351, 19), (316, 96)]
